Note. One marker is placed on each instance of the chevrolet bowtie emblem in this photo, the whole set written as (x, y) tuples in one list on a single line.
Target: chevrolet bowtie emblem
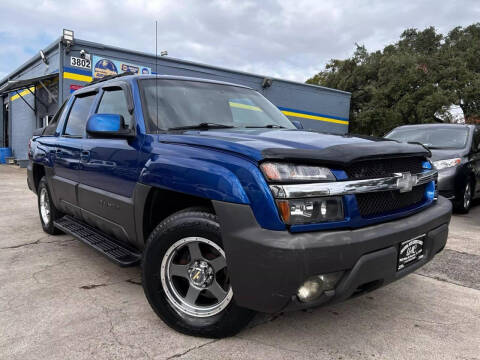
[(196, 275), (405, 181)]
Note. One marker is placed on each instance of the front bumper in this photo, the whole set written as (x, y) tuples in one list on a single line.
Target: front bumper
[(266, 267), (447, 181)]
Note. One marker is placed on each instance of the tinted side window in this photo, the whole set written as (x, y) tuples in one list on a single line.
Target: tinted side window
[(114, 102), (77, 119), (52, 126)]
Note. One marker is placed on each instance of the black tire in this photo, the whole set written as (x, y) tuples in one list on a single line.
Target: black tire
[(461, 205), (193, 222), (54, 214)]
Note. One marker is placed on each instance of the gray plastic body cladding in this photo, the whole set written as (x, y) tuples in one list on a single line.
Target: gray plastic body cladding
[(109, 212), (345, 154), (140, 195), (266, 267)]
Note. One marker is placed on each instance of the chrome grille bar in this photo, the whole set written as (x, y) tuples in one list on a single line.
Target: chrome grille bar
[(400, 181)]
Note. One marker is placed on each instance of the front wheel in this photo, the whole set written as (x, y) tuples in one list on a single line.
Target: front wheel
[(463, 203), (185, 277)]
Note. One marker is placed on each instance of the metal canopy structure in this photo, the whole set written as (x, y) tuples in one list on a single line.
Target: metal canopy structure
[(16, 85), (26, 84)]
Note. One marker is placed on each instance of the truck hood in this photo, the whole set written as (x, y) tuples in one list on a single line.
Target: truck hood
[(295, 145)]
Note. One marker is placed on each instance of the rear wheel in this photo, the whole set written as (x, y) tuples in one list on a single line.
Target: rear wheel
[(464, 201), (185, 276), (46, 208)]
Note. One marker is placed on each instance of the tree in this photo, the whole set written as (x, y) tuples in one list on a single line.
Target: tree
[(461, 68), (409, 82)]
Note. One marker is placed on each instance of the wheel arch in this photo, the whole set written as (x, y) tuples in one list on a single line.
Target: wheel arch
[(474, 183), (38, 172), (469, 176), (154, 204)]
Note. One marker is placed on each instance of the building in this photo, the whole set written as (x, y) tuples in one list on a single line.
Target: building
[(31, 94)]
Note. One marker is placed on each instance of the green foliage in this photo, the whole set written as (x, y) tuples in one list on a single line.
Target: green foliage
[(412, 81)]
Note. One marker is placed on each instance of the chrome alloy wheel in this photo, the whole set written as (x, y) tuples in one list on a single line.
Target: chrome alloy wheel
[(467, 196), (45, 206), (194, 277)]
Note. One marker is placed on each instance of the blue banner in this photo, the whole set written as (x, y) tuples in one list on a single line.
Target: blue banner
[(104, 67)]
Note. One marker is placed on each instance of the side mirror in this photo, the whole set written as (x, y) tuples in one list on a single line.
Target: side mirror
[(108, 126), (297, 124)]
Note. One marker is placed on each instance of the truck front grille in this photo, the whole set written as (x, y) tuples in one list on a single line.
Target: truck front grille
[(372, 169), (379, 203)]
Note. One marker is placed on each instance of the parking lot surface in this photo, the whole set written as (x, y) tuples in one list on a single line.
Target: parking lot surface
[(60, 299)]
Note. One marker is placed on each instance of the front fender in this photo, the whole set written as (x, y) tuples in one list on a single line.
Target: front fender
[(194, 177), (213, 175)]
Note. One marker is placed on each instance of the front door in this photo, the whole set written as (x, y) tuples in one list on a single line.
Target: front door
[(110, 172)]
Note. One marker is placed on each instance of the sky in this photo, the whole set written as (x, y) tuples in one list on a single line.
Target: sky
[(285, 39)]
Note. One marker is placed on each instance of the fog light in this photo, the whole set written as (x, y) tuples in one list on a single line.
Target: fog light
[(316, 285)]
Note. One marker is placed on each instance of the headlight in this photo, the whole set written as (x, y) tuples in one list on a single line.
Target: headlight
[(307, 210), (443, 164), (311, 210), (281, 172)]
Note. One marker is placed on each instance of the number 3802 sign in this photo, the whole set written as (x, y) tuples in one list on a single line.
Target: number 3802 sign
[(81, 63)]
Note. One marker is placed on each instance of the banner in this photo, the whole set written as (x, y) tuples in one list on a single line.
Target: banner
[(104, 67)]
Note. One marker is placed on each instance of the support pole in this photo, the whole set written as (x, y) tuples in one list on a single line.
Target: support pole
[(25, 101), (49, 92)]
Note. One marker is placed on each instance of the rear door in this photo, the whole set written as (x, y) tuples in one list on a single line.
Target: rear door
[(67, 164), (46, 146), (110, 170)]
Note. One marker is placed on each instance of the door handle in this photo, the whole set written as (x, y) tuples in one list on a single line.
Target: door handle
[(85, 156)]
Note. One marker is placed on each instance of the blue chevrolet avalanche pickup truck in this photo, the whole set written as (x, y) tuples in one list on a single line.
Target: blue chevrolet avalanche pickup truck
[(228, 206)]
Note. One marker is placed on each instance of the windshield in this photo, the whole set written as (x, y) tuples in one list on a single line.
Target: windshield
[(434, 138), (184, 103)]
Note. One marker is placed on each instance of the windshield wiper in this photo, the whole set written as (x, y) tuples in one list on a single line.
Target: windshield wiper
[(425, 146), (269, 126), (203, 125)]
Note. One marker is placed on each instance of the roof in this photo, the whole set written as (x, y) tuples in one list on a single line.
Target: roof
[(98, 84), (437, 125), (53, 46), (81, 42), (13, 85)]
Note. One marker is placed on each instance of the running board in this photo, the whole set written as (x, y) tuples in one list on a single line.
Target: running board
[(116, 252)]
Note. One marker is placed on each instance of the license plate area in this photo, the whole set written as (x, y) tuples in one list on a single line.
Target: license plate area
[(410, 251)]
